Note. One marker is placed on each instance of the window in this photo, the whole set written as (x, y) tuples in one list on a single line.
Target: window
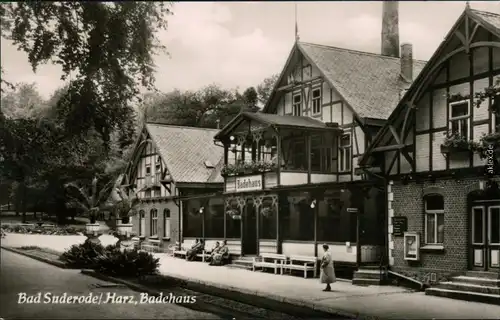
[(298, 223), (142, 223), (157, 192), (297, 105), (316, 101), (148, 170), (147, 193), (166, 223), (345, 153), (321, 154), (460, 118), (214, 218), (434, 219), (495, 117), (154, 222), (192, 220), (295, 157)]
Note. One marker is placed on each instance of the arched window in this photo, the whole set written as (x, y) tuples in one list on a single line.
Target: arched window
[(434, 219), (154, 222), (166, 223), (142, 223)]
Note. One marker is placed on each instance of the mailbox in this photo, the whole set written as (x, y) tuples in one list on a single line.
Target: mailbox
[(412, 246)]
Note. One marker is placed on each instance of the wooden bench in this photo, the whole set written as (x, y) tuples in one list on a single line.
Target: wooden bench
[(269, 260), (302, 263), (151, 245), (180, 253), (204, 255)]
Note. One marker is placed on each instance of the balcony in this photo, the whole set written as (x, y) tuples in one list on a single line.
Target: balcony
[(264, 150)]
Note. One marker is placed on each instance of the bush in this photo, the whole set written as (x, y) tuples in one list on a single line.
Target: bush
[(85, 255), (128, 263), (55, 230)]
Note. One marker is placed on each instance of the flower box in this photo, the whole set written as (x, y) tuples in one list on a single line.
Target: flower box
[(92, 228), (124, 229)]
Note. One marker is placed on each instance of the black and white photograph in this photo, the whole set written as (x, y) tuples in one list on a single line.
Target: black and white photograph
[(250, 160)]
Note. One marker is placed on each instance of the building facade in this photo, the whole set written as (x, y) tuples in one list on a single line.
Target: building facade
[(290, 181), (170, 162), (443, 200)]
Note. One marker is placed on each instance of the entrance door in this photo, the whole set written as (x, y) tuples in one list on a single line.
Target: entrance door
[(249, 236), (485, 237)]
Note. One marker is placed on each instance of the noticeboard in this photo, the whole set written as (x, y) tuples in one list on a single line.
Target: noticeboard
[(399, 226)]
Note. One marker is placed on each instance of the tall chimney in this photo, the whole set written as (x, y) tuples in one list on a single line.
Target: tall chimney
[(390, 29), (407, 61)]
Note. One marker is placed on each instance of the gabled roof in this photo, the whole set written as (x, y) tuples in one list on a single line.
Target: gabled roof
[(186, 150), (488, 20), (370, 83), (275, 120)]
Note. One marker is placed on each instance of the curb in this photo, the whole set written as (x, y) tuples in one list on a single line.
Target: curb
[(58, 264), (264, 298)]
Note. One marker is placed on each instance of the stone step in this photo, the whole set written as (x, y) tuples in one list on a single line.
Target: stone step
[(483, 274), (477, 281), (366, 282), (368, 275), (460, 286), (464, 295)]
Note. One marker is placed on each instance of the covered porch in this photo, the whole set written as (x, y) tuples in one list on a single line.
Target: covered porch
[(273, 150)]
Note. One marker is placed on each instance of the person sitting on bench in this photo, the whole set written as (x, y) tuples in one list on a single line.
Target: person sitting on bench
[(214, 250), (221, 257), (197, 248)]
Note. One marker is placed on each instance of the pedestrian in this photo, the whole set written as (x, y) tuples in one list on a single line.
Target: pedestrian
[(327, 270)]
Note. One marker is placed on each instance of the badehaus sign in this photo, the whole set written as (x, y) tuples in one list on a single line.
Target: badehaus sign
[(249, 183)]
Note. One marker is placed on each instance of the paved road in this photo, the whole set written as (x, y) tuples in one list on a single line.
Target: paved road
[(20, 274)]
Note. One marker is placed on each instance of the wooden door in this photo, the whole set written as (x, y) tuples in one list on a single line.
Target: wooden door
[(485, 237)]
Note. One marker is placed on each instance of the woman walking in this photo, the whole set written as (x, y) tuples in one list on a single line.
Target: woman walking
[(327, 270)]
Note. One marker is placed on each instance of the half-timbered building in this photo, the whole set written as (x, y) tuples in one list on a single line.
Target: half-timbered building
[(289, 171), (443, 211), (170, 162)]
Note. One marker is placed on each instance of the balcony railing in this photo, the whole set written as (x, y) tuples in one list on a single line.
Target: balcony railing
[(248, 168)]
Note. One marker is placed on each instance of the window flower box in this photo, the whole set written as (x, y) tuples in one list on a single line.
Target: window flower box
[(247, 168), (454, 142)]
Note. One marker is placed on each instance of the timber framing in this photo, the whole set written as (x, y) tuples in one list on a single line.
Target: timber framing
[(393, 135)]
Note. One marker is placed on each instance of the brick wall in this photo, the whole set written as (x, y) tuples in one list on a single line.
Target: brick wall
[(408, 201)]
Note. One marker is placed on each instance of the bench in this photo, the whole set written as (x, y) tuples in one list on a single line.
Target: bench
[(269, 260), (151, 245), (302, 263), (204, 255)]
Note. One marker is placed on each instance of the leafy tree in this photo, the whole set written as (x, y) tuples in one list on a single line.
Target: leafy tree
[(250, 96), (24, 101), (107, 48), (265, 89)]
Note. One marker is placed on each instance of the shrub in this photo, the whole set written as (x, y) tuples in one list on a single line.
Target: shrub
[(128, 263), (85, 255), (55, 230)]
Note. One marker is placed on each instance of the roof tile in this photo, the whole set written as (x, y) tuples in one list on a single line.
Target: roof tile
[(370, 83), (185, 150)]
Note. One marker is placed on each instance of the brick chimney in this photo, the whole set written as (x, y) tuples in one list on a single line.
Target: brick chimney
[(390, 29), (407, 61)]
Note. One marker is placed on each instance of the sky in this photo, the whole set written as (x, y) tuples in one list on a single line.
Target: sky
[(238, 44)]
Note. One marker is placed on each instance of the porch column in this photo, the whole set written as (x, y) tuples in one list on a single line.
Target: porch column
[(308, 157), (226, 153), (278, 209), (278, 157)]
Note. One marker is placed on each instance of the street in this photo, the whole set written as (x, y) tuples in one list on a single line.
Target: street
[(29, 277)]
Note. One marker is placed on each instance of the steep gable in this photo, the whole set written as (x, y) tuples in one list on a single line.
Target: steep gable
[(189, 153), (369, 83)]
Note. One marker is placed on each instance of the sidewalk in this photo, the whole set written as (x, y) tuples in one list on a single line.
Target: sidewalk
[(386, 302)]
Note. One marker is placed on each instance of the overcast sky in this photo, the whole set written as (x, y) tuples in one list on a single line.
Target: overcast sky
[(238, 44)]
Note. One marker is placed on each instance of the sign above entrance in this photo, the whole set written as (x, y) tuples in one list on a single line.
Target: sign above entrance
[(249, 183)]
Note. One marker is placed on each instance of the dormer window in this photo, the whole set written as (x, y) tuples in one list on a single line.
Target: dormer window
[(297, 104), (209, 165), (460, 118)]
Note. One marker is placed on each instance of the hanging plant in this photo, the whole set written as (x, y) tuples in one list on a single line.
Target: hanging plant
[(229, 170), (247, 168), (267, 212), (454, 141), (489, 145), (492, 92), (234, 214)]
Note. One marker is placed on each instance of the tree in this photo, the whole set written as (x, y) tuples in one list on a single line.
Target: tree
[(265, 89), (24, 101), (89, 203), (250, 96), (107, 48)]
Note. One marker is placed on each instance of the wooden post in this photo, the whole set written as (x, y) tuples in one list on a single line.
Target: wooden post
[(308, 157), (278, 240), (358, 242), (278, 158), (316, 213), (256, 209), (225, 218)]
